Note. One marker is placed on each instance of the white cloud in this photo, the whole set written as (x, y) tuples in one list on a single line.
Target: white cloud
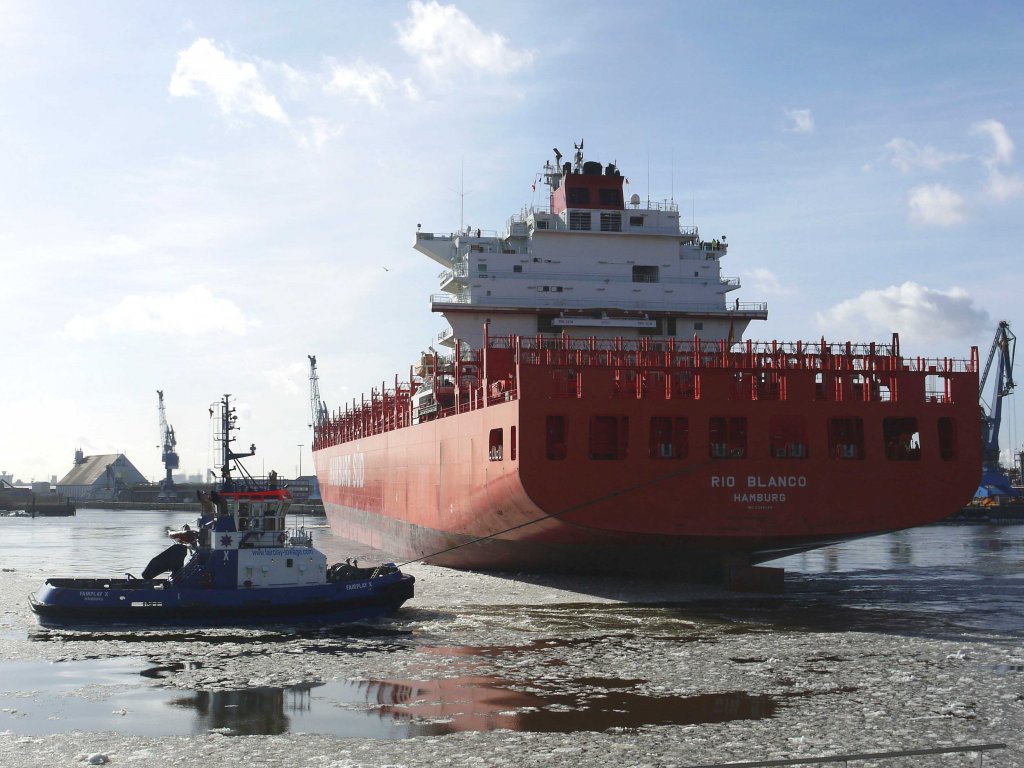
[(192, 312), (289, 379), (237, 85), (369, 82), (119, 245), (803, 122), (446, 41), (938, 205), (1003, 151), (1001, 186), (318, 132), (907, 156), (916, 311), (764, 282)]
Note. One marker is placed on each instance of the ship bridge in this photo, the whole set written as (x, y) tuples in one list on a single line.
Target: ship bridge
[(588, 260)]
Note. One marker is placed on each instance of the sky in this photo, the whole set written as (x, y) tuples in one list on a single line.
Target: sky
[(195, 196)]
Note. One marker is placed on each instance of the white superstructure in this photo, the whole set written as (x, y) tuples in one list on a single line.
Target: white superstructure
[(588, 261)]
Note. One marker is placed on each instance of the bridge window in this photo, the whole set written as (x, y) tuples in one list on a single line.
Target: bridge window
[(788, 437), (611, 222), (579, 220), (556, 437), (609, 437), (645, 274), (846, 438), (577, 196), (495, 445), (670, 438), (947, 439), (902, 440), (727, 437), (512, 443), (610, 197)]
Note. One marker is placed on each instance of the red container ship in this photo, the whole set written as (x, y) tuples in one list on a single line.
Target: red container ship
[(595, 408)]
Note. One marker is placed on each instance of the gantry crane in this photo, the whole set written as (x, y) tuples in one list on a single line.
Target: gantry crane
[(993, 478), (170, 456), (318, 411)]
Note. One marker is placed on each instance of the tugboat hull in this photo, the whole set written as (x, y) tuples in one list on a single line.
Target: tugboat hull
[(74, 602)]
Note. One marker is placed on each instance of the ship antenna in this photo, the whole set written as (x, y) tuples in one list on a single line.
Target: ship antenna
[(462, 195), (672, 175)]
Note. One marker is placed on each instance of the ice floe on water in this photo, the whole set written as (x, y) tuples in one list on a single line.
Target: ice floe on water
[(530, 671)]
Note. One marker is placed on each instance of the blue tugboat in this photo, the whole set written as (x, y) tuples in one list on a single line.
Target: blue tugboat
[(241, 565)]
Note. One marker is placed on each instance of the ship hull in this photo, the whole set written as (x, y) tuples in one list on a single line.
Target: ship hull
[(483, 489)]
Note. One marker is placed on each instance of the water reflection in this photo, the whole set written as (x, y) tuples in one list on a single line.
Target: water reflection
[(483, 703), (250, 712), (406, 708)]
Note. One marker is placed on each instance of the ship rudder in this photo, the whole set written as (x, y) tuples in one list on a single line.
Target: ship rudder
[(755, 578)]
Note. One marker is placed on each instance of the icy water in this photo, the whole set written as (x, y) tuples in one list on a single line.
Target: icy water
[(898, 641)]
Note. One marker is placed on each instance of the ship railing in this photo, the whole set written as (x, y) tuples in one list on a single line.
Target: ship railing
[(298, 536), (435, 236), (869, 357), (850, 371), (653, 205), (468, 232), (463, 298), (461, 270)]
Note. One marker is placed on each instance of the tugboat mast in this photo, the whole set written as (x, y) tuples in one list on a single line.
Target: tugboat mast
[(227, 426)]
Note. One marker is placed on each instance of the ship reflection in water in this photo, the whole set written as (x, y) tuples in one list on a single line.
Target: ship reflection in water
[(406, 708), (249, 712)]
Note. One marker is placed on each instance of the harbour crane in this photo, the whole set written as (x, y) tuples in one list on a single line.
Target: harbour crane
[(170, 456), (993, 478), (317, 408)]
